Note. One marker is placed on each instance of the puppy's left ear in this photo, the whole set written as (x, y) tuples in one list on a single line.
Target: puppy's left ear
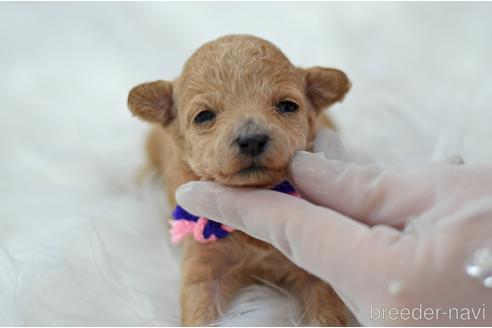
[(153, 102), (325, 86)]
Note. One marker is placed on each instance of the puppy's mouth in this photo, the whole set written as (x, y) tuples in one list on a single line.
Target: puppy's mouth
[(253, 175), (253, 168)]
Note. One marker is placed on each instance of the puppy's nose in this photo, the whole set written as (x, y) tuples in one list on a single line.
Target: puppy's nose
[(253, 144)]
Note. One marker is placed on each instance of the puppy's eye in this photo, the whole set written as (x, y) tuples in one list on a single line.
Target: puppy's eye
[(205, 116), (287, 107)]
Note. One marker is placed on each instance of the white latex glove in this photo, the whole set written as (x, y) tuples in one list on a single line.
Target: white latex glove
[(415, 240)]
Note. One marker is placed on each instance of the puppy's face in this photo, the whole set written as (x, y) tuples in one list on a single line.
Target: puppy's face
[(240, 109)]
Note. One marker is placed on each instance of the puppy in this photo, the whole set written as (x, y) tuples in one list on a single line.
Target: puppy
[(236, 115)]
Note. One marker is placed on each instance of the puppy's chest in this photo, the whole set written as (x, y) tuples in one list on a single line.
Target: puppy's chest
[(259, 258), (253, 243)]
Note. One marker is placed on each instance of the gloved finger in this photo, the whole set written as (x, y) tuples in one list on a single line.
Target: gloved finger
[(320, 240), (370, 194), (330, 144)]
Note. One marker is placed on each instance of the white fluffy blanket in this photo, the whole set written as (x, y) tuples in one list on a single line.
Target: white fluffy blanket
[(81, 243)]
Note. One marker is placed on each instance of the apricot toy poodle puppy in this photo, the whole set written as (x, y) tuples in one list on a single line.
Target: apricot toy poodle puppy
[(236, 115)]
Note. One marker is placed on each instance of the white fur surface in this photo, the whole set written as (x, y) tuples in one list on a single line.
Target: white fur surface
[(82, 243)]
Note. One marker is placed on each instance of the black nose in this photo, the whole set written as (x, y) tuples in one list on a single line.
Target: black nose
[(253, 144)]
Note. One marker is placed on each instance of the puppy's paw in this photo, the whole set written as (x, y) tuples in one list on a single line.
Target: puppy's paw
[(325, 317), (197, 305), (322, 306)]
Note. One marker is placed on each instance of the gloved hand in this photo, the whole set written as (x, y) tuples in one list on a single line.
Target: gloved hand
[(401, 245)]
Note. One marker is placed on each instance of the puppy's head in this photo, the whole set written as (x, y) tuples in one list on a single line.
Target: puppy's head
[(240, 109)]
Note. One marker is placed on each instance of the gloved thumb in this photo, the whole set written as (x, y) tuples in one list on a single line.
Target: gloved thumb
[(315, 238)]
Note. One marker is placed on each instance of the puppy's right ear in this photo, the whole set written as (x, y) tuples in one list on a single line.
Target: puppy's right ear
[(325, 86), (153, 102)]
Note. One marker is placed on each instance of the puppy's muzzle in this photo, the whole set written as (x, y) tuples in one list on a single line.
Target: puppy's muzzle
[(252, 144), (252, 137)]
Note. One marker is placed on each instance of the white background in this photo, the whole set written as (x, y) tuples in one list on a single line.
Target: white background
[(82, 243)]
